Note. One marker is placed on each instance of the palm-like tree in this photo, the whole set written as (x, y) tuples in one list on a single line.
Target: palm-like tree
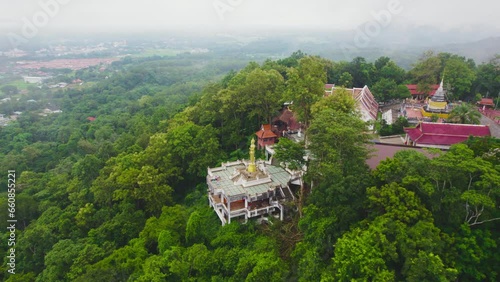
[(465, 114)]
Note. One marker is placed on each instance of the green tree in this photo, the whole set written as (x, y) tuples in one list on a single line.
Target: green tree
[(402, 92), (263, 90), (345, 80), (426, 72), (173, 221), (337, 137), (397, 242), (191, 147), (384, 90), (335, 70), (338, 175), (291, 153), (392, 71), (155, 269), (465, 114), (119, 265), (381, 62), (9, 90), (193, 262), (341, 101), (475, 254), (362, 72), (59, 260), (306, 87), (362, 255), (87, 169), (429, 267), (457, 186), (460, 76), (387, 89), (488, 78), (35, 242), (132, 181)]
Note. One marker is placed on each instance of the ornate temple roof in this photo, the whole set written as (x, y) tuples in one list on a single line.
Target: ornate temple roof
[(429, 133), (367, 104), (266, 132), (235, 181), (414, 89)]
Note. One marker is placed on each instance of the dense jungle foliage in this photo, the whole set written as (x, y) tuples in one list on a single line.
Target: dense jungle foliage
[(113, 188)]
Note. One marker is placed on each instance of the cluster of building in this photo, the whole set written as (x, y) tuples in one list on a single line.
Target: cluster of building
[(5, 120), (73, 64), (437, 134), (39, 80), (425, 106), (59, 50), (45, 112), (257, 189)]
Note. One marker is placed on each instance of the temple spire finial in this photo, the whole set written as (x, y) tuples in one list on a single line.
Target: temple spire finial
[(251, 165)]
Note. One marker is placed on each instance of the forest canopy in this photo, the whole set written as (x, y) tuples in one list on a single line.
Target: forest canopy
[(122, 195)]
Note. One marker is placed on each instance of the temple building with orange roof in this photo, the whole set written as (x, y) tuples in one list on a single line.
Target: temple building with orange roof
[(486, 103), (265, 136)]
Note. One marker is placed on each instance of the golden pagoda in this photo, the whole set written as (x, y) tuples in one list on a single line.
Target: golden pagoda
[(251, 166)]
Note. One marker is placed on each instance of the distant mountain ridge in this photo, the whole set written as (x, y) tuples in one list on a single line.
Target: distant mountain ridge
[(481, 51)]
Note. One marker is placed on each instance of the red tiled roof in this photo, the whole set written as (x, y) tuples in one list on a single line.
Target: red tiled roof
[(414, 91), (486, 102), (384, 151), (91, 118), (329, 86), (289, 119), (413, 133), (265, 132), (429, 133)]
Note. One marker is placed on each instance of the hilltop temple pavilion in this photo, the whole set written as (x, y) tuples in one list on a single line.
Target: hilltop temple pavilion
[(248, 189)]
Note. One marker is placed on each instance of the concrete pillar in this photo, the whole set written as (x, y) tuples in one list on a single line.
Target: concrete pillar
[(228, 211)]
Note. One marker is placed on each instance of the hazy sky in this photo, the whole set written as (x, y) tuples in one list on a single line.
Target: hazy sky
[(112, 15)]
